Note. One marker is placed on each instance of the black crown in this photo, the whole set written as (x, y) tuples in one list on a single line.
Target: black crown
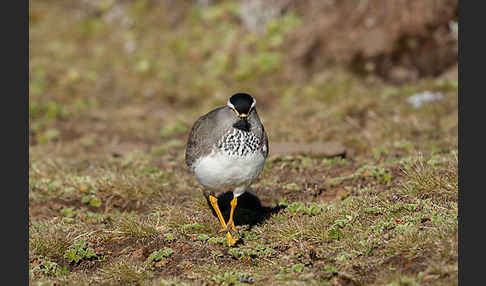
[(242, 102)]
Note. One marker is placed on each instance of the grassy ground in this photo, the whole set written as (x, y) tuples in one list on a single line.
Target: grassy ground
[(114, 90)]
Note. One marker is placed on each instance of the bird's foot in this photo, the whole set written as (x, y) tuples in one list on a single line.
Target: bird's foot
[(231, 240)]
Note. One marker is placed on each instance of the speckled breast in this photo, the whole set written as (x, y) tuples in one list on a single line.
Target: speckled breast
[(239, 143)]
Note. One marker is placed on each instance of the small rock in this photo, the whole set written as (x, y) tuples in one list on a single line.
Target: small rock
[(418, 99)]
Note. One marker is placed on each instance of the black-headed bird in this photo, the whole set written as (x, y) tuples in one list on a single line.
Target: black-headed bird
[(227, 149)]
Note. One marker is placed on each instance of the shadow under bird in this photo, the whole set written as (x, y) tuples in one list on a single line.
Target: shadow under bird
[(226, 150)]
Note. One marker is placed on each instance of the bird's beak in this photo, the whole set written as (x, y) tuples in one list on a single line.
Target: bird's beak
[(240, 115)]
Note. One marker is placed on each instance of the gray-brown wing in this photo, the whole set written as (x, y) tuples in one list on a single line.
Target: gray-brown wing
[(259, 130), (203, 136)]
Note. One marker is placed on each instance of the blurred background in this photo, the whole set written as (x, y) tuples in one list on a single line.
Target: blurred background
[(115, 76)]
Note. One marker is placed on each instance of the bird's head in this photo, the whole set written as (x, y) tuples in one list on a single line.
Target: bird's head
[(242, 104)]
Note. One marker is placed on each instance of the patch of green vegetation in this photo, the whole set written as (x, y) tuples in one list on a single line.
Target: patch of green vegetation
[(246, 253), (169, 236), (232, 278), (217, 240), (69, 212), (381, 174), (335, 234), (160, 254), (304, 208), (242, 253), (79, 251), (331, 162), (91, 200), (203, 237), (298, 268), (43, 267), (192, 227), (249, 235)]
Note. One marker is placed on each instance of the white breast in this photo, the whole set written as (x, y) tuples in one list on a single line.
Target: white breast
[(219, 170)]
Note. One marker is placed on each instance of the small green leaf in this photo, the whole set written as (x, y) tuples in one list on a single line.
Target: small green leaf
[(340, 222), (269, 251), (372, 210), (158, 255), (203, 237), (95, 202), (167, 252), (68, 212), (292, 187), (86, 199), (217, 240), (71, 256), (89, 253), (296, 206), (314, 209), (330, 269), (169, 236), (235, 252), (335, 234), (298, 267), (193, 226)]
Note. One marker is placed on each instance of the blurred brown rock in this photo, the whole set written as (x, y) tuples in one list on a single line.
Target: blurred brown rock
[(397, 40)]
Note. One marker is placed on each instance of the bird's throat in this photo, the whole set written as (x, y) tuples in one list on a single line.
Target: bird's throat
[(242, 124)]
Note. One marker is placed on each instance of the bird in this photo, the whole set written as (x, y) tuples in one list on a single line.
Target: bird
[(226, 150)]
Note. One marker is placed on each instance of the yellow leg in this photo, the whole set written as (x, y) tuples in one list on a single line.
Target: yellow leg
[(214, 203), (230, 221)]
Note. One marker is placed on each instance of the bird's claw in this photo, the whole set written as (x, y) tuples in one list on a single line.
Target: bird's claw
[(231, 240)]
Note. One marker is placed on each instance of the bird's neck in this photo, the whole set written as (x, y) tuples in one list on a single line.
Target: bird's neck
[(242, 125)]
